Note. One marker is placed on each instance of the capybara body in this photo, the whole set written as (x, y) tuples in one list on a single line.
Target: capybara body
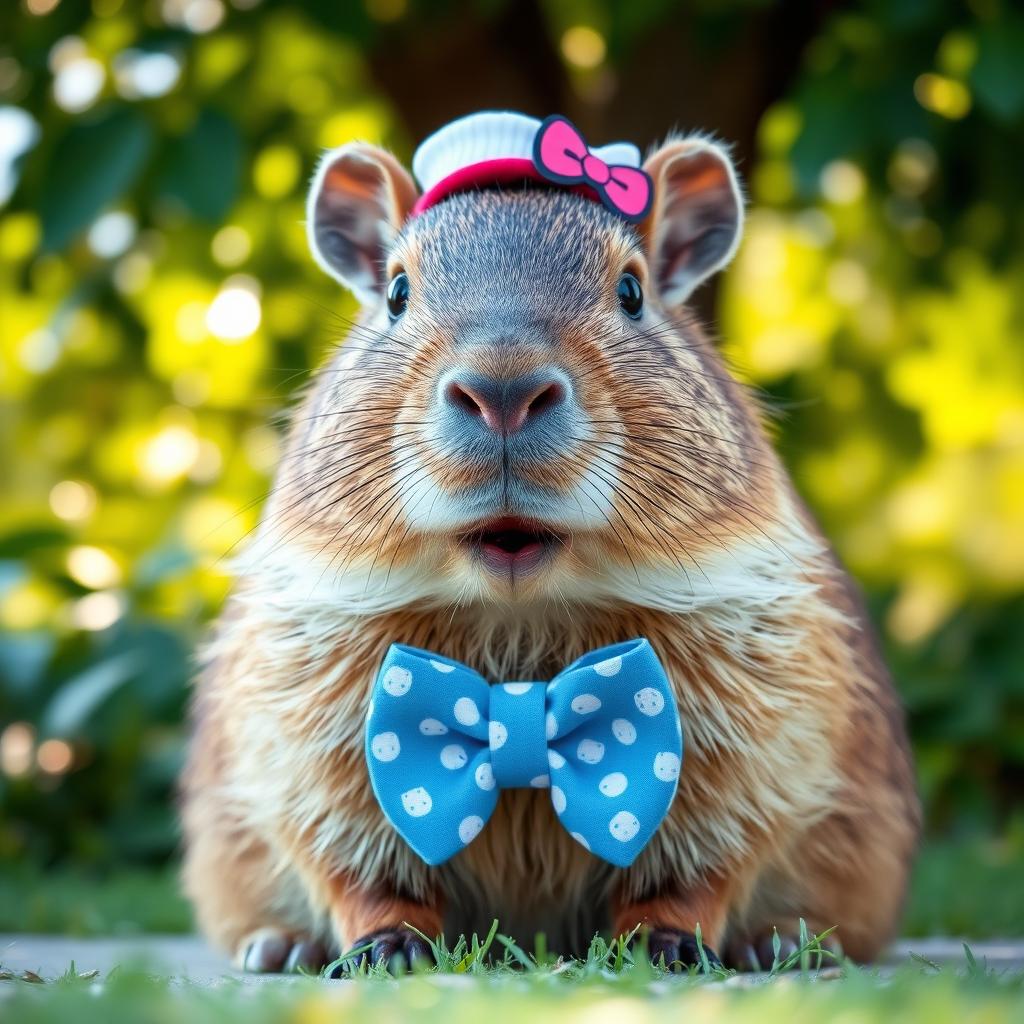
[(505, 464)]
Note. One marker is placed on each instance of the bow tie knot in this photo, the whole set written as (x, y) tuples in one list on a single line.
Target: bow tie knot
[(596, 169), (603, 736), (519, 757)]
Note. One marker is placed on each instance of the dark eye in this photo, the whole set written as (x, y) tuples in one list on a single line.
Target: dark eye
[(631, 296), (398, 295)]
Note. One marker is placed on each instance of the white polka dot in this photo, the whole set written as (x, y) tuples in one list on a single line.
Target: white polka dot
[(466, 712), (385, 746), (585, 704), (440, 666), (649, 702), (417, 802), (609, 667), (550, 725), (666, 766), (624, 731), (555, 759), (496, 735), (540, 782), (469, 828), (590, 751), (613, 784), (485, 775), (516, 689), (453, 756), (624, 826), (581, 840), (397, 681), (557, 799), (432, 727)]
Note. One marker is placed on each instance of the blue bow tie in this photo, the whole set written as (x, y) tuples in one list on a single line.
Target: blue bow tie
[(603, 735)]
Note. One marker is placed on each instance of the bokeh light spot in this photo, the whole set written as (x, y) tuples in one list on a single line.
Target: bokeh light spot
[(168, 455), (73, 500), (111, 234), (55, 757), (198, 16), (944, 96), (78, 78), (139, 74), (93, 567), (842, 182), (231, 245), (16, 743), (583, 46), (235, 311), (276, 171), (97, 611)]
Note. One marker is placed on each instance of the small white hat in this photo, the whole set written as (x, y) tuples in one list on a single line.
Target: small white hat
[(496, 147)]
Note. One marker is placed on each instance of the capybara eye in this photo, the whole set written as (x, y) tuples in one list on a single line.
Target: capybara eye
[(631, 296), (398, 295)]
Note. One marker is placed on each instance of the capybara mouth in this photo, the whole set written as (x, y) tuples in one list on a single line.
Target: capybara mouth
[(512, 546)]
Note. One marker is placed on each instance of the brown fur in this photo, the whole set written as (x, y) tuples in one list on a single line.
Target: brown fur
[(796, 798)]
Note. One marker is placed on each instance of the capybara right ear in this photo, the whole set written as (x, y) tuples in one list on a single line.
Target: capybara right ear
[(361, 197)]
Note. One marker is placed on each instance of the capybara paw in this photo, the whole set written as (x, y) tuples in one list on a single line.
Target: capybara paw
[(676, 950), (755, 951), (399, 949), (270, 951)]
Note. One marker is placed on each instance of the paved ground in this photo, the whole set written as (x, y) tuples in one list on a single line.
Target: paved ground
[(189, 957)]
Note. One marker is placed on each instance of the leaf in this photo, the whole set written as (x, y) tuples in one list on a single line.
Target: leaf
[(162, 564), (95, 162), (517, 953), (23, 542), (23, 657), (204, 166), (76, 701), (996, 77)]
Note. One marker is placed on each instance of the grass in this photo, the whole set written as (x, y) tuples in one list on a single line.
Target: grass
[(609, 987), (73, 902), (959, 889), (622, 957)]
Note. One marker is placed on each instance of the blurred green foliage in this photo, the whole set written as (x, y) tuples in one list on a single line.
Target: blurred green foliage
[(158, 309)]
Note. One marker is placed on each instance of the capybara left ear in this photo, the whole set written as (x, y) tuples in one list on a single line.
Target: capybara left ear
[(696, 219), (360, 198)]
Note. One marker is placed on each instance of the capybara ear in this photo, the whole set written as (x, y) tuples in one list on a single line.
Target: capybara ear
[(360, 198), (696, 218)]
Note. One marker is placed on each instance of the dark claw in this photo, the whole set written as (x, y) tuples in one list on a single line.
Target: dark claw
[(273, 952), (765, 949), (267, 953), (307, 956), (757, 952), (677, 950), (399, 949)]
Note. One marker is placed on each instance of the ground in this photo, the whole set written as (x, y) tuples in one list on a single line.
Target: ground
[(46, 980), (113, 962)]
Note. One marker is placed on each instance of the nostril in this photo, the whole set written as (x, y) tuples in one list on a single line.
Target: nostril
[(456, 394), (547, 397), (504, 405)]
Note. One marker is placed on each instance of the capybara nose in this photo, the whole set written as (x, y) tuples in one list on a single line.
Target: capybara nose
[(505, 406)]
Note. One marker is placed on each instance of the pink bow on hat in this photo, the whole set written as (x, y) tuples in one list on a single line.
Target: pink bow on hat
[(562, 155)]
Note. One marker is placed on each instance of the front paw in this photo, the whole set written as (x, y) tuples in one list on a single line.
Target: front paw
[(756, 951), (399, 949), (677, 951)]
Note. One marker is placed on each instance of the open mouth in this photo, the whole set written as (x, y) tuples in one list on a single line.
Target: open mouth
[(510, 545)]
